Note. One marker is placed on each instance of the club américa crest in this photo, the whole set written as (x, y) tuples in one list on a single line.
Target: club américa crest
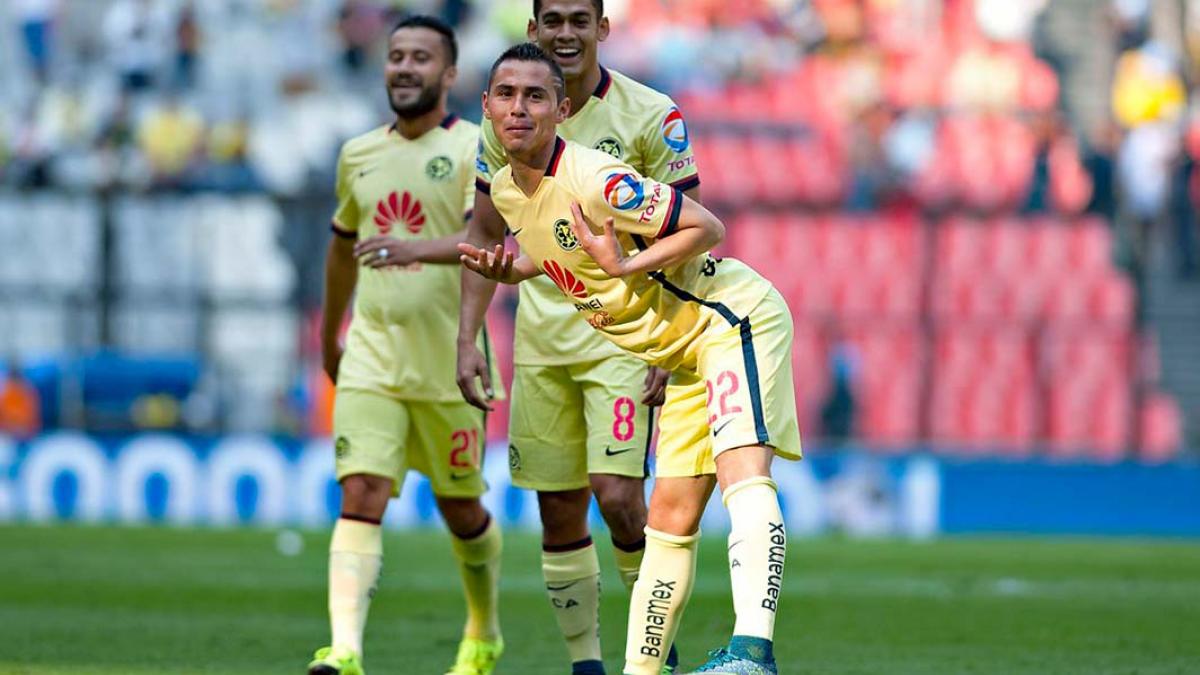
[(564, 235)]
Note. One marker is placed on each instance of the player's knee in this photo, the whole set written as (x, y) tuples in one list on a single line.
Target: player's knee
[(463, 517), (365, 495), (564, 514), (678, 503), (622, 502)]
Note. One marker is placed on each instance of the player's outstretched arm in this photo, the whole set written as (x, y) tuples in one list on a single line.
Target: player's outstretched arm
[(341, 275), (696, 232), (485, 229)]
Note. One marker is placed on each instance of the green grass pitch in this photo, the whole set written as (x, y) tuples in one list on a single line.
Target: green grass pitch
[(116, 601)]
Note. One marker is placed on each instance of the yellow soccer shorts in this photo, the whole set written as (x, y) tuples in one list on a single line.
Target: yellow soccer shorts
[(572, 420), (384, 436), (741, 394)]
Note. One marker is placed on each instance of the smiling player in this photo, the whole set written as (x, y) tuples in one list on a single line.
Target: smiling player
[(723, 331), (581, 409), (402, 193)]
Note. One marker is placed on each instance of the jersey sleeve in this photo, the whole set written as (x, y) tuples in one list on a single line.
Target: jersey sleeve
[(346, 217), (638, 205), (468, 179), (489, 159), (668, 150)]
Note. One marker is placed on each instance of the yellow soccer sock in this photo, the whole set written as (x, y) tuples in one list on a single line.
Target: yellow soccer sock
[(658, 600), (573, 584), (355, 558), (479, 565), (629, 560), (757, 548)]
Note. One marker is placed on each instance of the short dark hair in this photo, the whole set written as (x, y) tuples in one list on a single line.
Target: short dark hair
[(537, 8), (436, 25), (528, 51)]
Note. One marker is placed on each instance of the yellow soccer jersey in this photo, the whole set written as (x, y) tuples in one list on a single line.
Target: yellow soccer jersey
[(402, 336), (657, 316), (634, 124)]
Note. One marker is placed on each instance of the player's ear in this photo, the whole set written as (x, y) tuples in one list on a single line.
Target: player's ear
[(602, 29), (485, 109), (449, 77), (564, 110), (531, 30)]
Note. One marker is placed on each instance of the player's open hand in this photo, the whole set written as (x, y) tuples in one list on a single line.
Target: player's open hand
[(654, 389), (383, 251), (604, 248), (472, 368), (496, 264)]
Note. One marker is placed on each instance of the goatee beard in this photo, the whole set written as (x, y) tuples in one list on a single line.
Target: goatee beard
[(427, 101)]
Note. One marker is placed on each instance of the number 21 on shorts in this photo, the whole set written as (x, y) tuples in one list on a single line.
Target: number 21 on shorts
[(464, 449)]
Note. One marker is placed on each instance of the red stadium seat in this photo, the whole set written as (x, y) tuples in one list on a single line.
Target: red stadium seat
[(1162, 427)]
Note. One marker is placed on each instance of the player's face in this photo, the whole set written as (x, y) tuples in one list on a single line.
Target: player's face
[(523, 107), (570, 32), (417, 72)]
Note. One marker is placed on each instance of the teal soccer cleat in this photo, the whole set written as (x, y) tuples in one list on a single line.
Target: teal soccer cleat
[(724, 662)]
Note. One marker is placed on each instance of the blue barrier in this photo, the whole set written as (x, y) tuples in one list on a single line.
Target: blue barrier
[(258, 480)]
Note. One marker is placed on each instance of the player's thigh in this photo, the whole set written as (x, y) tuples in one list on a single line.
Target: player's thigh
[(747, 370), (370, 432), (547, 432), (619, 427), (446, 442), (684, 444)]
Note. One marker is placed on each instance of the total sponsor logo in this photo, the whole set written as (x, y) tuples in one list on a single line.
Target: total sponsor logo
[(655, 199), (398, 209), (624, 191), (564, 279), (775, 557), (674, 131), (681, 164)]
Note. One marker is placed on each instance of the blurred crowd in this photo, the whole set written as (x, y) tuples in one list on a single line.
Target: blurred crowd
[(957, 104)]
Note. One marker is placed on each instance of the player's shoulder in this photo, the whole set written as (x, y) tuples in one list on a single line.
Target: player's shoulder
[(365, 142), (635, 97), (583, 164), (461, 129)]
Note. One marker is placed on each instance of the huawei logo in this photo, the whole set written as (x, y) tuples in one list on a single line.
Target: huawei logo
[(397, 209), (566, 282)]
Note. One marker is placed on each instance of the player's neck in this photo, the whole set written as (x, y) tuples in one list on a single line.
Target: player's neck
[(415, 127), (529, 169), (581, 89)]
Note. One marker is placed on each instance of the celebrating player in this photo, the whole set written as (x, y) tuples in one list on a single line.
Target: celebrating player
[(402, 193), (723, 331), (581, 411)]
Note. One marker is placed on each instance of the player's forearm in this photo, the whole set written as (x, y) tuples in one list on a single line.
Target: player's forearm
[(523, 269), (698, 232), (440, 251), (341, 275), (477, 295), (485, 229)]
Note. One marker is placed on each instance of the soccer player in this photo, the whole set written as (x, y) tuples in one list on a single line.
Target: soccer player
[(645, 281), (403, 190), (582, 416)]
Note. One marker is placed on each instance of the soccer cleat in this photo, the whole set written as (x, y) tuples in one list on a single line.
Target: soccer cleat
[(328, 662), (724, 662), (477, 657)]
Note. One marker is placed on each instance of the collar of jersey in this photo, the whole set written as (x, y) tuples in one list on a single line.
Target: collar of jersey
[(555, 157), (605, 82), (448, 121)]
